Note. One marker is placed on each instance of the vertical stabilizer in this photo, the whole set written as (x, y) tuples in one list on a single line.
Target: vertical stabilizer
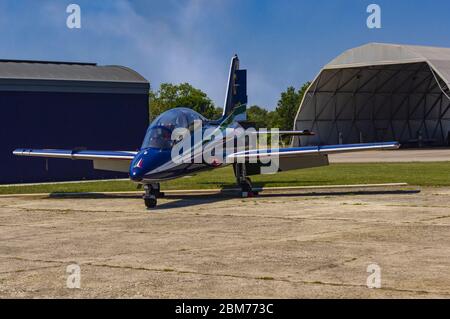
[(236, 91)]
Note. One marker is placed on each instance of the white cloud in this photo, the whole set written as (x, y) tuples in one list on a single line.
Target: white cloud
[(167, 51), (174, 41)]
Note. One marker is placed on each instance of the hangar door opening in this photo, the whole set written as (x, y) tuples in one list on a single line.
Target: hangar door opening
[(405, 102)]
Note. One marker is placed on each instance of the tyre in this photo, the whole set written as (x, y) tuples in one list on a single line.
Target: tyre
[(150, 202)]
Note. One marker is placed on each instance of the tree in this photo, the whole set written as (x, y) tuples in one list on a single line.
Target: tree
[(288, 106), (259, 116), (183, 95), (218, 111)]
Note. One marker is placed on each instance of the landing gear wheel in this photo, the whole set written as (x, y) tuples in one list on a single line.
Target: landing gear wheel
[(244, 181), (150, 202), (152, 192), (246, 188)]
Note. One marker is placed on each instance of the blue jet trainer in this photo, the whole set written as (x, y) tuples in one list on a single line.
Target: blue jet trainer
[(154, 162)]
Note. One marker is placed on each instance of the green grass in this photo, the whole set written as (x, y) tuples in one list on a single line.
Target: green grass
[(419, 174)]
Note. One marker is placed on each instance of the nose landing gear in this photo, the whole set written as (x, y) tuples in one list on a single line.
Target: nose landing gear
[(152, 193)]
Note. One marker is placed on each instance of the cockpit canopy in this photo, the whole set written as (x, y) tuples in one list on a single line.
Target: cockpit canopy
[(159, 133)]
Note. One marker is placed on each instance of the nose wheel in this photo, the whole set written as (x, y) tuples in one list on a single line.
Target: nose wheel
[(150, 202), (152, 193)]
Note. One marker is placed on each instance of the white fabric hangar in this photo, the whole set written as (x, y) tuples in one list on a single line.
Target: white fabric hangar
[(380, 92)]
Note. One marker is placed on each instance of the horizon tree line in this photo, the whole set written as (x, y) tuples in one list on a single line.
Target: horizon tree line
[(169, 96)]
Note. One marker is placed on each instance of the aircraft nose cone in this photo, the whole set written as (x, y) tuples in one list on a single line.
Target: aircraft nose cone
[(147, 161), (136, 175), (137, 169)]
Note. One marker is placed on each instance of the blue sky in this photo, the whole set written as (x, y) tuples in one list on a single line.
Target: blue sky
[(281, 43)]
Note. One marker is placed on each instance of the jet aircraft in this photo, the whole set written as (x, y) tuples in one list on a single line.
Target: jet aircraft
[(155, 161)]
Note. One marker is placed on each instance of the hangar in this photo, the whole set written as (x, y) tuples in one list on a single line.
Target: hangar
[(380, 92), (69, 106)]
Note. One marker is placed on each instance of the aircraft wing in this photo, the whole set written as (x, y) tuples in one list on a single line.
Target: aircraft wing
[(298, 152), (76, 155), (117, 161), (285, 133)]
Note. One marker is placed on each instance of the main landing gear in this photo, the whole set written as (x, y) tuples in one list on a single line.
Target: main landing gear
[(152, 193), (244, 181)]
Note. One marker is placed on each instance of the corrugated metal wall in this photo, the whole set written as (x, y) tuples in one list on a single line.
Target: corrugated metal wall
[(96, 121)]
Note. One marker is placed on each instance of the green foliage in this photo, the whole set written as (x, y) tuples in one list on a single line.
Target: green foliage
[(183, 95), (262, 117), (288, 106), (259, 116), (284, 115), (217, 113), (335, 174)]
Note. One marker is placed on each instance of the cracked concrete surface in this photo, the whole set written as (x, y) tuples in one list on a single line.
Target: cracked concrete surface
[(274, 246)]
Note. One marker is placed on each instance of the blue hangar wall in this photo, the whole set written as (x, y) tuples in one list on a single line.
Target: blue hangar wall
[(67, 106)]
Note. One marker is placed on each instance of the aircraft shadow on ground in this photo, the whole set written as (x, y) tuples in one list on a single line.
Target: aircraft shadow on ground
[(92, 196), (190, 200), (194, 200), (277, 182)]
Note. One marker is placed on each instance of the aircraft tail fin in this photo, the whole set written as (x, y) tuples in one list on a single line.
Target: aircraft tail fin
[(236, 96)]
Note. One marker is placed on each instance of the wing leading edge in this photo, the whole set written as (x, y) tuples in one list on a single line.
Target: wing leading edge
[(77, 155), (116, 161), (313, 150)]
